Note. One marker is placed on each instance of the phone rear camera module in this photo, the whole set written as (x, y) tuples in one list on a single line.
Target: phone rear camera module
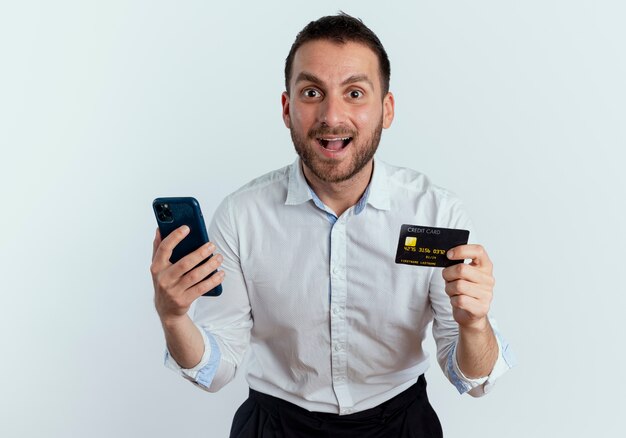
[(164, 213)]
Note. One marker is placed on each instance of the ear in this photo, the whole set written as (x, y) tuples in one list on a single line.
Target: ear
[(388, 110), (285, 103)]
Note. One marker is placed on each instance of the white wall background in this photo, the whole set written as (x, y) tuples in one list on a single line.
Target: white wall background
[(518, 107)]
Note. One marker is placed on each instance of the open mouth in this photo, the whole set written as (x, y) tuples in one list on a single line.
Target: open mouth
[(334, 143)]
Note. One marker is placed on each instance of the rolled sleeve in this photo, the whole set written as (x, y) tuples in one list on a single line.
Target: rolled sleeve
[(482, 385), (204, 372)]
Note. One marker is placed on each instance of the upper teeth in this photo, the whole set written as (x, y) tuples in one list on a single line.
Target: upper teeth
[(336, 139)]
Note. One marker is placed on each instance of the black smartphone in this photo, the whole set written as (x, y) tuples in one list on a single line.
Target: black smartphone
[(172, 213)]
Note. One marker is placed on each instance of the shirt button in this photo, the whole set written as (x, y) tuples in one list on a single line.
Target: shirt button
[(336, 310), (336, 270), (338, 347), (488, 386)]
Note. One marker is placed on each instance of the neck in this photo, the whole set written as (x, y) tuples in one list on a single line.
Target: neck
[(340, 196)]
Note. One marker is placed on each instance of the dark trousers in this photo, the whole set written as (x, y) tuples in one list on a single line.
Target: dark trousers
[(407, 415)]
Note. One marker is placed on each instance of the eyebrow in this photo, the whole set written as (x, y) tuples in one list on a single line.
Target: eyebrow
[(305, 76)]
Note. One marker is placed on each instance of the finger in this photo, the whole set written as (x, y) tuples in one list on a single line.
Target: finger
[(469, 273), (191, 260), (167, 245), (206, 285), (476, 253), (199, 273), (156, 242), (476, 308), (473, 290)]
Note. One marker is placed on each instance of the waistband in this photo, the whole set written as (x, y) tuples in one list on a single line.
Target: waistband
[(416, 392)]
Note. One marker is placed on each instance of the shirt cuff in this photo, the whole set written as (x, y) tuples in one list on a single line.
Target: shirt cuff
[(482, 385), (203, 373)]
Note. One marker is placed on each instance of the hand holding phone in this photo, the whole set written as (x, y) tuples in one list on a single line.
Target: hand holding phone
[(183, 267)]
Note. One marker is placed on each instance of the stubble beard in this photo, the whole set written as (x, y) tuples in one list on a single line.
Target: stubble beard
[(326, 169)]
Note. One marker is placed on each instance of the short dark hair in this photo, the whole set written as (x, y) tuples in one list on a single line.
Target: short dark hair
[(341, 28)]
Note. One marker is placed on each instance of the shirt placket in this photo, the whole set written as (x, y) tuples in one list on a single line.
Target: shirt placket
[(338, 324)]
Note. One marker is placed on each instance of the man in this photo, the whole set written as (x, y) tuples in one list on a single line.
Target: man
[(307, 256)]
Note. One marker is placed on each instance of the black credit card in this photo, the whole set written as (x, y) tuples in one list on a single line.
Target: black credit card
[(427, 246)]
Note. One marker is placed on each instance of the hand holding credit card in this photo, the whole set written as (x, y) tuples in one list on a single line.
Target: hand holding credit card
[(427, 246)]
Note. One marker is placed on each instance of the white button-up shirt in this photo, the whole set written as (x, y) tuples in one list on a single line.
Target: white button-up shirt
[(333, 323)]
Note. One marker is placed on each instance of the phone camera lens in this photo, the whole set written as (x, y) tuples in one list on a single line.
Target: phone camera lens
[(164, 213)]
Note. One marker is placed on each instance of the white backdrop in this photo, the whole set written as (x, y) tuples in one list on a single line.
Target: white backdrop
[(518, 107)]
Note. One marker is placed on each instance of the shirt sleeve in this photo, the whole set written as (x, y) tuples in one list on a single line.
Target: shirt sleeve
[(203, 373), (224, 321), (445, 328), (481, 386)]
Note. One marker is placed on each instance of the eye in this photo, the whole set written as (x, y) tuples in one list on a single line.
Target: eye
[(311, 93), (355, 94)]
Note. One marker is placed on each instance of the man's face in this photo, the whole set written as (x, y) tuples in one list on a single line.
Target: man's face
[(335, 109)]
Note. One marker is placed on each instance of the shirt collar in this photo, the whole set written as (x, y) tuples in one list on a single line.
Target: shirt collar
[(298, 189), (378, 190), (376, 194)]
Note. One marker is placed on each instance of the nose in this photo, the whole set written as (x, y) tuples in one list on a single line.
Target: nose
[(332, 111)]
